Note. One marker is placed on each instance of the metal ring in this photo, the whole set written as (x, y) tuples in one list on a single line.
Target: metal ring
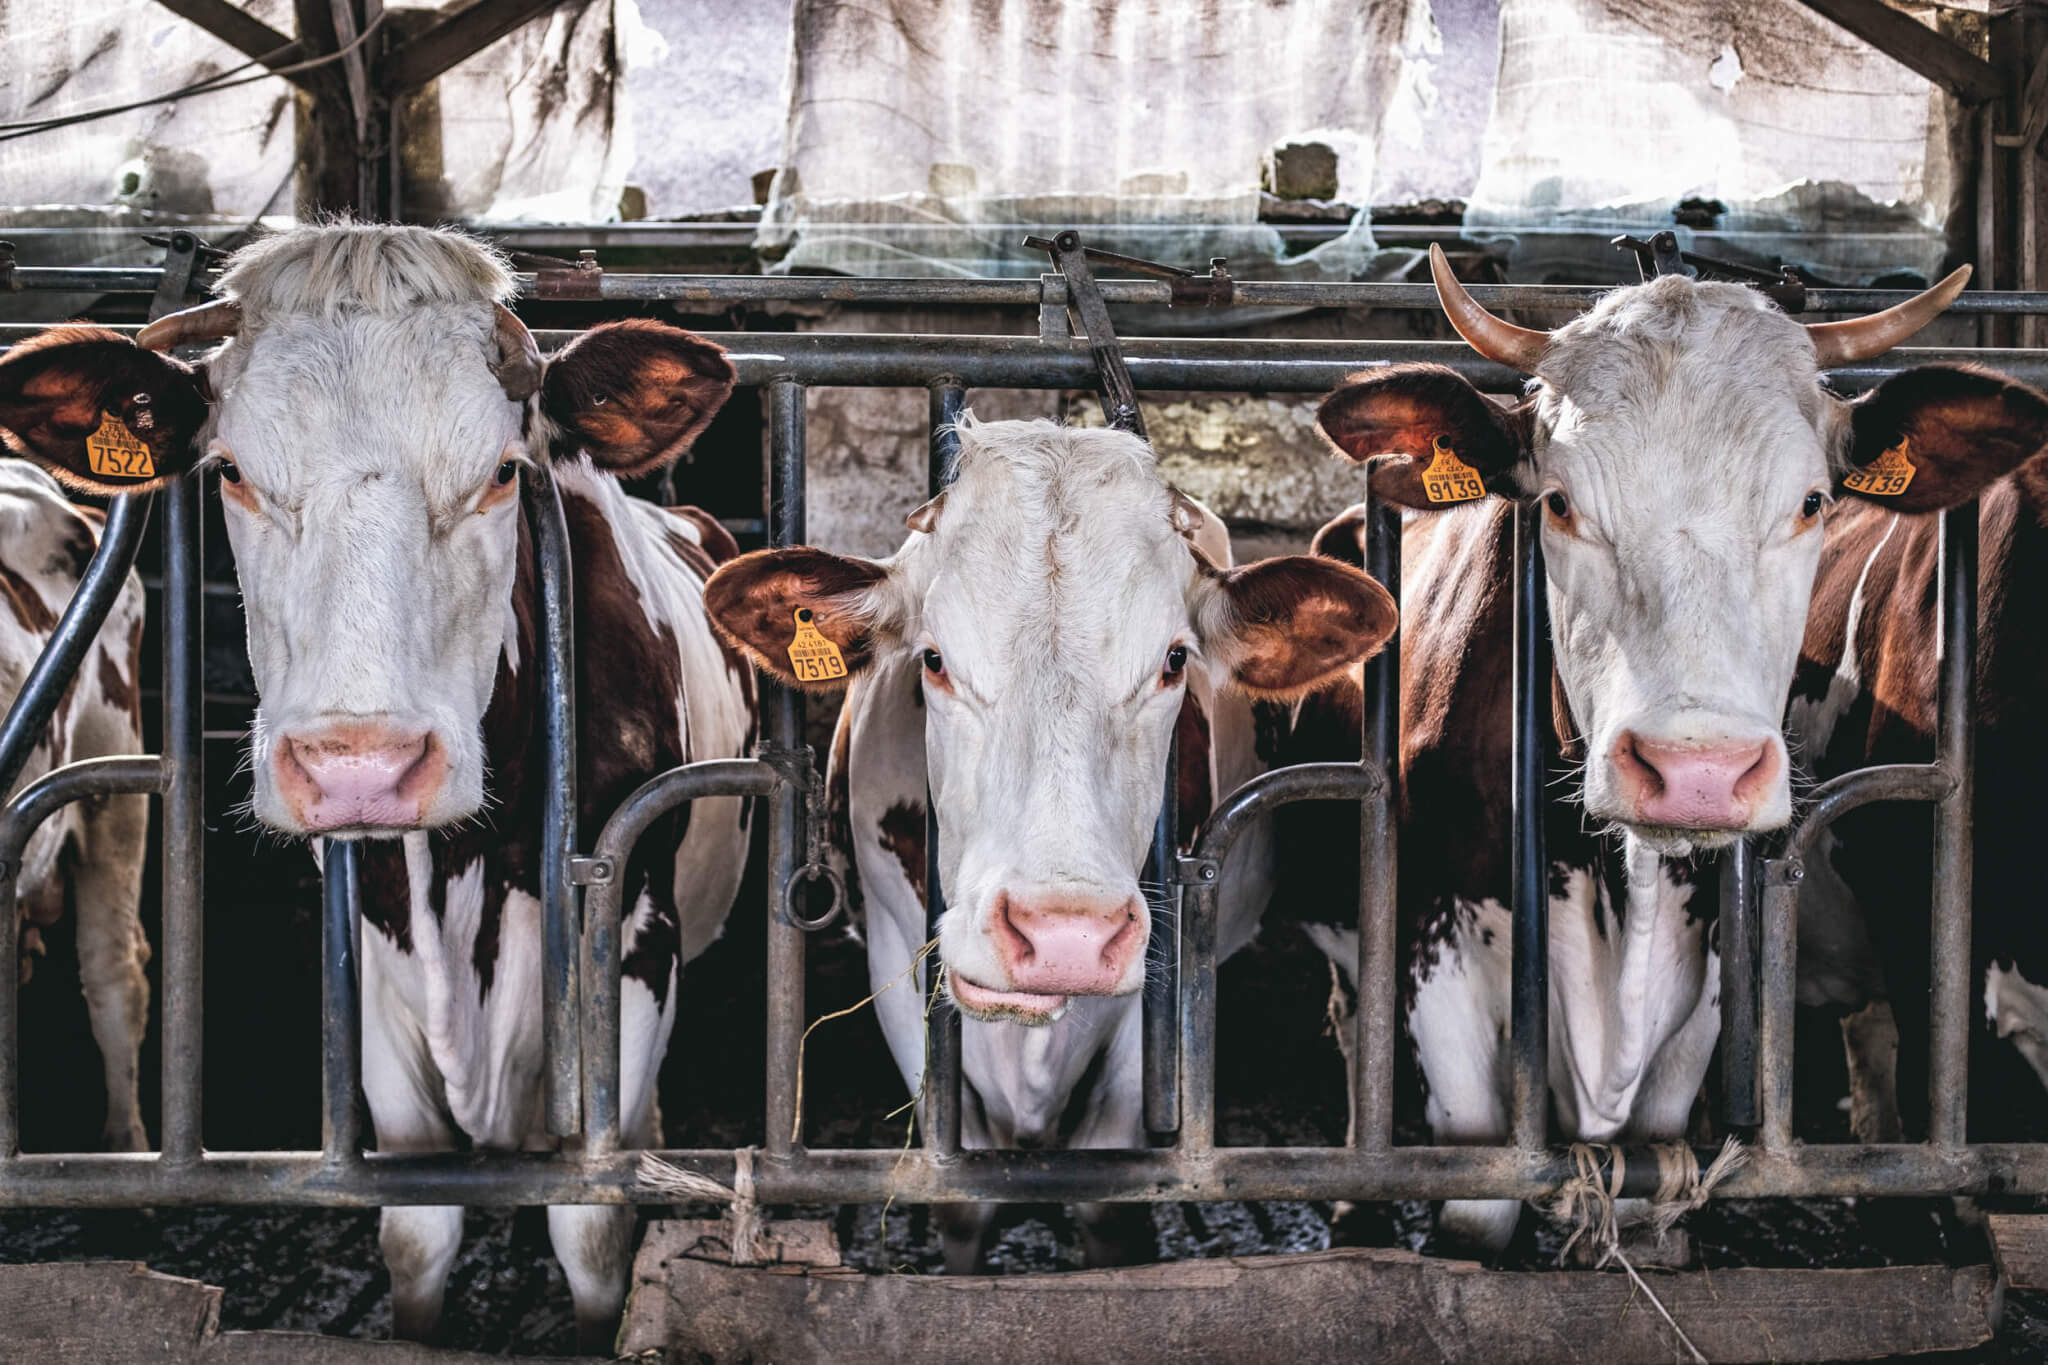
[(812, 872)]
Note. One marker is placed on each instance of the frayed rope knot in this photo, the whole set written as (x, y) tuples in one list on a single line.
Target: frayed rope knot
[(743, 1215), (1586, 1204)]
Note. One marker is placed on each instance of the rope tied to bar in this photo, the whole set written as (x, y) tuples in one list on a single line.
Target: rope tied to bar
[(742, 1214), (1586, 1202)]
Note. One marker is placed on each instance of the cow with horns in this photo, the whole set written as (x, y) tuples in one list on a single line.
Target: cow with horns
[(370, 419), (1684, 454), (1026, 657)]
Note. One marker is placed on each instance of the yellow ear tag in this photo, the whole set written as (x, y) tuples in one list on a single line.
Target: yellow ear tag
[(1448, 478), (812, 657), (114, 452), (1888, 474)]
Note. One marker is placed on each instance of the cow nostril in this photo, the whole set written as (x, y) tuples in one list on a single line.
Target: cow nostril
[(1646, 772)]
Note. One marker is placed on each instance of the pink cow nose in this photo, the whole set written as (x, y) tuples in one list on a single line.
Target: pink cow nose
[(355, 775), (1695, 786), (1068, 945)]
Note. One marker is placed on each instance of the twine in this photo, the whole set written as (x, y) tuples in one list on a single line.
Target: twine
[(742, 1214), (1587, 1205)]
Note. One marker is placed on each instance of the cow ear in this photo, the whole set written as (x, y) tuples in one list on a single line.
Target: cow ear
[(1937, 436), (1286, 626), (98, 411), (634, 395), (805, 617), (1344, 538), (1430, 439)]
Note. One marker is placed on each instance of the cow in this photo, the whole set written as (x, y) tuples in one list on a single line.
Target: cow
[(89, 855), (1683, 454), (1053, 619), (370, 418), (1865, 693)]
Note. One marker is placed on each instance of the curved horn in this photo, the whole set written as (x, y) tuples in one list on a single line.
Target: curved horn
[(207, 322), (518, 364), (1516, 347), (1854, 339)]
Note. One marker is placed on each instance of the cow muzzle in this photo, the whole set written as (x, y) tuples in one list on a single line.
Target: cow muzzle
[(359, 777), (1051, 946), (1702, 784)]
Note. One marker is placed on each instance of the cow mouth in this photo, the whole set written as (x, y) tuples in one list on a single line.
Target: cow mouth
[(989, 1005)]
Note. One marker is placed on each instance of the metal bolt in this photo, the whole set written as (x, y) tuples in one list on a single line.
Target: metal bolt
[(1209, 872)]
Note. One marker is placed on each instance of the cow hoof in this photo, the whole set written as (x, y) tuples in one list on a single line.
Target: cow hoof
[(1117, 1234), (597, 1336)]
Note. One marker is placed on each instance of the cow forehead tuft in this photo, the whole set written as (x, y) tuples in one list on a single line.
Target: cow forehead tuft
[(342, 268)]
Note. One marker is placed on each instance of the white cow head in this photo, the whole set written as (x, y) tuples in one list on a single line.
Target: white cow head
[(1056, 608), (1684, 452), (369, 418)]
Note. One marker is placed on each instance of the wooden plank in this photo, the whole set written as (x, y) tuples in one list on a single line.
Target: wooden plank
[(105, 1311), (241, 31), (2019, 1244), (461, 35), (1343, 1305), (1913, 44), (311, 1348)]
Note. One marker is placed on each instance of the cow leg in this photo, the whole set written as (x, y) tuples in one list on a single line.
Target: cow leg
[(1458, 1021), (1117, 1234), (112, 952), (1870, 1040), (966, 1231)]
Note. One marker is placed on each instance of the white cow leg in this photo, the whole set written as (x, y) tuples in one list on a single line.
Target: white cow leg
[(1870, 1043), (112, 952), (965, 1232), (1663, 1112), (1117, 1234), (1458, 1022), (592, 1242)]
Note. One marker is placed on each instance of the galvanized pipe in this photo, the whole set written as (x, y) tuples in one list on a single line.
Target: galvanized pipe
[(939, 1115), (1955, 754), (1529, 1004), (561, 931), (787, 808), (184, 824), (341, 1006), (1739, 948), (1779, 964), (19, 819), (1373, 1022)]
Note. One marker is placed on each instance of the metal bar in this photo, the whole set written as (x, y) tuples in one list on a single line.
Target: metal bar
[(561, 931), (1084, 296), (601, 920), (1373, 1022), (341, 1013), (1529, 1007), (1780, 967), (19, 818), (1986, 275), (786, 809), (939, 1116), (1159, 1030), (184, 824), (1955, 754), (1739, 985)]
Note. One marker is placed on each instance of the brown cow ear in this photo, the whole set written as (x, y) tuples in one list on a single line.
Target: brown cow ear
[(805, 617), (1937, 436), (98, 411), (1430, 439), (633, 395), (1343, 539), (1287, 626)]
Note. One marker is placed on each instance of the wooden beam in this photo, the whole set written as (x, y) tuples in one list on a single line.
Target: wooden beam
[(1913, 44), (243, 32), (461, 35)]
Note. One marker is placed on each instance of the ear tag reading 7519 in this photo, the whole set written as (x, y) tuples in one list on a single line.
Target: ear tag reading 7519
[(1888, 474), (1448, 478), (812, 657), (114, 452)]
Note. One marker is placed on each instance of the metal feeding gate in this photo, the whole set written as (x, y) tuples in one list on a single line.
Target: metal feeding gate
[(581, 892)]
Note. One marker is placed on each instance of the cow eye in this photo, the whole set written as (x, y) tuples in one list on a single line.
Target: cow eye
[(228, 472), (1560, 506), (1811, 507), (1176, 662), (507, 472), (933, 664)]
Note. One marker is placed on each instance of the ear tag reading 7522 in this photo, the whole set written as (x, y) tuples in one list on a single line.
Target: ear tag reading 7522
[(1448, 478), (1887, 475), (812, 657), (114, 452)]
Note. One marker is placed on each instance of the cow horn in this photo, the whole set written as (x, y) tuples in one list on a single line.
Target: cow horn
[(1518, 348), (518, 364), (207, 322), (1854, 339)]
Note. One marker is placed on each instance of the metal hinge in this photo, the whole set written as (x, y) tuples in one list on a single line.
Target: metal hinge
[(592, 871)]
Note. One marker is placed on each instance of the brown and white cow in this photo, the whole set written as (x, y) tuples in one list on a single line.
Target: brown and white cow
[(89, 855), (1026, 656), (1684, 451), (1864, 694), (370, 418)]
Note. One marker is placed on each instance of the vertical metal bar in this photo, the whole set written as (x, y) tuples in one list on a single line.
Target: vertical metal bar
[(1780, 962), (1198, 1011), (1372, 1023), (1986, 273), (561, 929), (786, 431), (1160, 1031), (940, 1116), (184, 824), (341, 1045), (1955, 751), (1738, 985), (1530, 998)]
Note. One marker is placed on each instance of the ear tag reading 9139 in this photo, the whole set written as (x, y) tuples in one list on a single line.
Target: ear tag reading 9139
[(812, 657), (1448, 478), (1888, 474), (115, 452)]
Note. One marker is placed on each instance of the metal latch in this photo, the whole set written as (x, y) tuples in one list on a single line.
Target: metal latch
[(591, 871), (584, 280)]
